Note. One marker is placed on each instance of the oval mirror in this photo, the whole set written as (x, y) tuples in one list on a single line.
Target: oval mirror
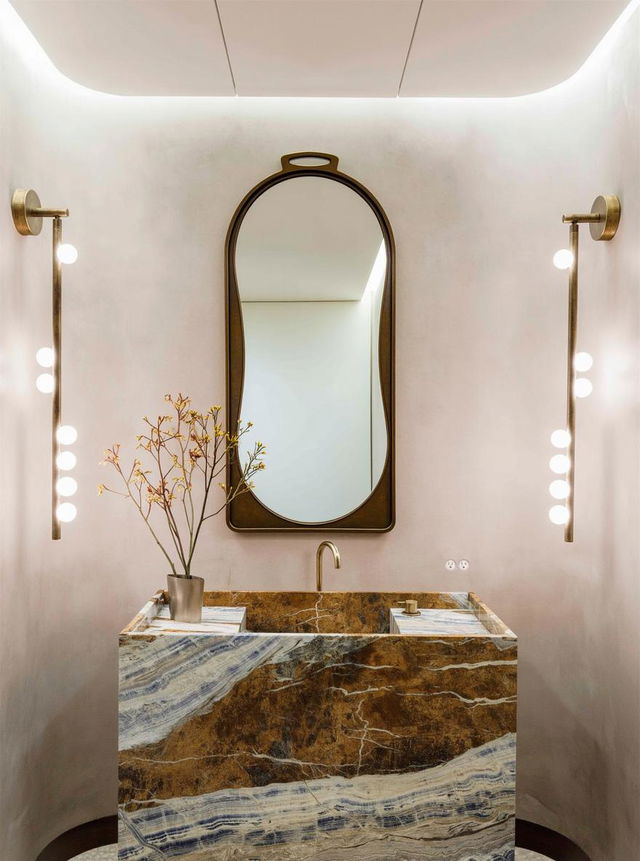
[(310, 282)]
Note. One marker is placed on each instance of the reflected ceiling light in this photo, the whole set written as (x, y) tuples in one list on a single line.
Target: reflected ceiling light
[(28, 213), (378, 270), (603, 221)]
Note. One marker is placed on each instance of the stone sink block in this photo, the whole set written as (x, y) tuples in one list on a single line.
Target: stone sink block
[(295, 725)]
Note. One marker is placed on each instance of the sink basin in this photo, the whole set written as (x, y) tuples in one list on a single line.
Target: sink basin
[(330, 728)]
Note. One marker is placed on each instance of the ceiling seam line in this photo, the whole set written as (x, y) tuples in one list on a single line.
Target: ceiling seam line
[(226, 48), (406, 60)]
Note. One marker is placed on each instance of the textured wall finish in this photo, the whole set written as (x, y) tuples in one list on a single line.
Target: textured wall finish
[(292, 745), (474, 190)]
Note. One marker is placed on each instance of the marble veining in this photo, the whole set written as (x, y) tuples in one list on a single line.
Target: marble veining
[(432, 622), (298, 744), (215, 620)]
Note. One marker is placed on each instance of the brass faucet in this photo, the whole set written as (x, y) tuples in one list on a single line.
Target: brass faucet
[(336, 561)]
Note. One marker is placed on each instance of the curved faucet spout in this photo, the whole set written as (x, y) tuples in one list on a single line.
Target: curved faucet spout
[(336, 560)]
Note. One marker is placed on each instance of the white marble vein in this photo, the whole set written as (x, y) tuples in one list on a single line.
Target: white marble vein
[(459, 810)]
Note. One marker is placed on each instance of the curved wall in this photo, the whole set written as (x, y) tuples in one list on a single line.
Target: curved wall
[(474, 190)]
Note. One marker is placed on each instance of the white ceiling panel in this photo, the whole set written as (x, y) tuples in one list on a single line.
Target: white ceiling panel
[(502, 47), (367, 48), (134, 47), (318, 47)]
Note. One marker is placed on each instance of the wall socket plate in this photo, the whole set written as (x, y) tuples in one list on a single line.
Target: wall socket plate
[(450, 564), (463, 564)]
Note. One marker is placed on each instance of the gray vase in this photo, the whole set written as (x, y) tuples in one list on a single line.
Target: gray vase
[(185, 598)]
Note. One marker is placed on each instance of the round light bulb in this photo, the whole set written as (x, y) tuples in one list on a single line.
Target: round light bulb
[(66, 460), (559, 514), (66, 434), (45, 383), (582, 387), (67, 253), (44, 357), (559, 488), (66, 486), (66, 512), (583, 361), (563, 259), (560, 438), (559, 463)]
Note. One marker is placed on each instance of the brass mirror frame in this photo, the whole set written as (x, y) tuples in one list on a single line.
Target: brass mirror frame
[(246, 513)]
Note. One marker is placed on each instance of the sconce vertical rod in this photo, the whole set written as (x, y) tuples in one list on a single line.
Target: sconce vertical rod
[(571, 400), (57, 371)]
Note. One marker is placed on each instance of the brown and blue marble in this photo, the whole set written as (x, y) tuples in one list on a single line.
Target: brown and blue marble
[(316, 734)]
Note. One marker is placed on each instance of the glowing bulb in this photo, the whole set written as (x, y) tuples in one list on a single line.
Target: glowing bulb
[(45, 383), (66, 512), (582, 361), (44, 357), (582, 387), (66, 486), (559, 488), (560, 438), (66, 460), (559, 514), (67, 253), (66, 434), (563, 259), (559, 463)]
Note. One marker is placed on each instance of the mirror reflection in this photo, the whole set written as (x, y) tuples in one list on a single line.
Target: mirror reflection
[(311, 266)]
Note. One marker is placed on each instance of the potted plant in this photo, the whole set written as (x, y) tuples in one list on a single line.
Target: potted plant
[(185, 454)]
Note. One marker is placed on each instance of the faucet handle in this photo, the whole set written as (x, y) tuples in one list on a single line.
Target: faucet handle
[(410, 607)]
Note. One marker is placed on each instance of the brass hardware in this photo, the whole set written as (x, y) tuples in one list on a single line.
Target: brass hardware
[(305, 160), (28, 213), (56, 400), (410, 607), (608, 208), (603, 221), (336, 560)]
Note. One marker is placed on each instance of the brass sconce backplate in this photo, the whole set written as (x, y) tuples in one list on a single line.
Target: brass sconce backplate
[(607, 206), (23, 204)]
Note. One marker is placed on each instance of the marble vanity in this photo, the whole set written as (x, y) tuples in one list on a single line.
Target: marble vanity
[(295, 726)]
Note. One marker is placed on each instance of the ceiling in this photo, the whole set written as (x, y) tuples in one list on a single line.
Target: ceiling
[(359, 48)]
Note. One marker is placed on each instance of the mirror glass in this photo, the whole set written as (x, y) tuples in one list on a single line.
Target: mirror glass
[(311, 265)]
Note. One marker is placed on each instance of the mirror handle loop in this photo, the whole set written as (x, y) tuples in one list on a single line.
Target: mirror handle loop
[(290, 162)]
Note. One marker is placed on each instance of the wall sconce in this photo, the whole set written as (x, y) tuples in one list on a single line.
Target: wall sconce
[(28, 213), (603, 223)]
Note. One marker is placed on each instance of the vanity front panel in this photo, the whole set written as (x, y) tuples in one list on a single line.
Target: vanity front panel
[(327, 746)]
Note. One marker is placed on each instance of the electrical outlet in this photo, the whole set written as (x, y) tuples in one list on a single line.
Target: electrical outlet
[(450, 564), (463, 564)]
